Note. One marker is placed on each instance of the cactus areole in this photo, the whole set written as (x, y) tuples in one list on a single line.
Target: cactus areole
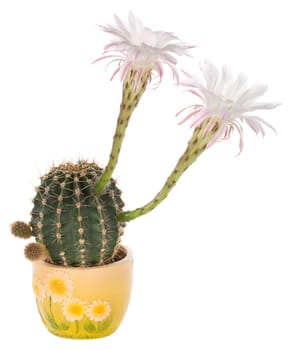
[(77, 227)]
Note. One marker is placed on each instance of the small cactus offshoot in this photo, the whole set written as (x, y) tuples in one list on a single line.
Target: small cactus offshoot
[(35, 251), (21, 229)]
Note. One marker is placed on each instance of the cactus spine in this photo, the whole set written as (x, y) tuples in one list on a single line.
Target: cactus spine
[(77, 227)]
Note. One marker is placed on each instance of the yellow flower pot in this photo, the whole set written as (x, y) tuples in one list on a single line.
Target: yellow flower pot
[(83, 303)]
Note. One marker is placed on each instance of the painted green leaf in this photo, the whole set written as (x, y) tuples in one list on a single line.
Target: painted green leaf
[(89, 327), (52, 322), (103, 325), (64, 326)]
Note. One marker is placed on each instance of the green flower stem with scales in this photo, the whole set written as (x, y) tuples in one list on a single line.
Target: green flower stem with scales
[(129, 102), (196, 146)]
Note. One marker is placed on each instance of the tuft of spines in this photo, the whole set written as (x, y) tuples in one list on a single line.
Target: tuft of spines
[(77, 226), (21, 229)]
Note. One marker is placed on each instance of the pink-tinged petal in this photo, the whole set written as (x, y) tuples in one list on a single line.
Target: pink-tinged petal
[(256, 126), (198, 93), (115, 72), (101, 58), (159, 68), (201, 116), (192, 113), (238, 127), (188, 107), (174, 71), (255, 123), (191, 81), (124, 70)]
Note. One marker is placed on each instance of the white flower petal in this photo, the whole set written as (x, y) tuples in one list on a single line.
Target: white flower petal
[(211, 74), (228, 101), (252, 93), (236, 89), (262, 105)]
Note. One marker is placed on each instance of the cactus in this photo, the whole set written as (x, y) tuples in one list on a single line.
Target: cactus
[(77, 227), (78, 211)]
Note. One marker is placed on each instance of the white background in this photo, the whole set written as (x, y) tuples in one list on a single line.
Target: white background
[(213, 263)]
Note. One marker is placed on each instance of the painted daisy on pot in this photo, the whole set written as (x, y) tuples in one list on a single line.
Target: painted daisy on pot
[(59, 287), (39, 289), (226, 103), (98, 311), (73, 309)]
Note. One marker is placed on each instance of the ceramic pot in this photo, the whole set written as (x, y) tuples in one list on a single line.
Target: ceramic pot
[(83, 303)]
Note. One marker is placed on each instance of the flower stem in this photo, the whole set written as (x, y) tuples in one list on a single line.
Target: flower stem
[(50, 305), (196, 146), (130, 100), (52, 318)]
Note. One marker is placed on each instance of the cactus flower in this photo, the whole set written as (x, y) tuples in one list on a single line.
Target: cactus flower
[(227, 102), (141, 50), (141, 54)]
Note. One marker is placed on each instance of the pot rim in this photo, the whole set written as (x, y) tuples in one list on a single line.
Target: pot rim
[(125, 249)]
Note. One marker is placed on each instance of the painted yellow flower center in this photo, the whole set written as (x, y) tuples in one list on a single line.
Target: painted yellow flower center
[(57, 286), (75, 309), (99, 310)]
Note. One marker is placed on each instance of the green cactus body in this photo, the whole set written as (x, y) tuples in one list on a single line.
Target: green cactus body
[(78, 227)]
